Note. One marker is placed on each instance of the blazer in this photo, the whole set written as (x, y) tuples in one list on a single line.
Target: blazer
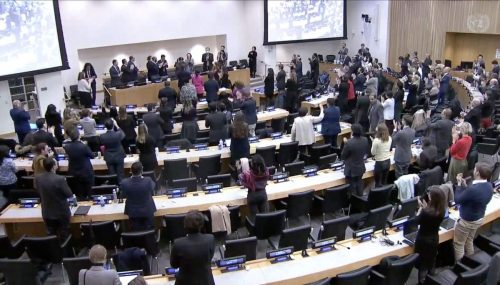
[(280, 80), (207, 59), (330, 125), (169, 93), (97, 275), (79, 156), (249, 109), (427, 157), (114, 72), (42, 136), (402, 141), (211, 88), (21, 120), (155, 125), (444, 85), (359, 82), (166, 113), (112, 141), (440, 134), (362, 107), (193, 255), (474, 117), (269, 85), (353, 156), (54, 192), (217, 123), (139, 193), (128, 127), (132, 72), (153, 70), (375, 115)]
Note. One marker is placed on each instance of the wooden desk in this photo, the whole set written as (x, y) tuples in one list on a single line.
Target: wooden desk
[(315, 103)]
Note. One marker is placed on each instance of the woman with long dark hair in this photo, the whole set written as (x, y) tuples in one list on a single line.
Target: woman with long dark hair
[(89, 74), (269, 87), (127, 123), (53, 119), (255, 180), (238, 132), (146, 146)]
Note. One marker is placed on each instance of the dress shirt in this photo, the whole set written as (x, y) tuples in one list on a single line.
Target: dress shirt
[(388, 109)]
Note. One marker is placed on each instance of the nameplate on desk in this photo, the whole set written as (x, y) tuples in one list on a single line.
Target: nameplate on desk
[(29, 203), (280, 255), (253, 139), (270, 108), (232, 264), (172, 149), (176, 192), (212, 188), (99, 127), (130, 106), (95, 107), (310, 171), (169, 271), (398, 224), (338, 165), (325, 245), (416, 141), (201, 146), (203, 100), (280, 177), (308, 98), (276, 135), (363, 234), (60, 157), (107, 198)]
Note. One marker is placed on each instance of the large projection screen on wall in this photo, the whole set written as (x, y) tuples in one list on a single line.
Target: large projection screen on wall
[(31, 38), (290, 21)]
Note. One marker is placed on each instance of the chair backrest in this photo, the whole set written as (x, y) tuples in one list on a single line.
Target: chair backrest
[(73, 266), (268, 154), (472, 277), (269, 224), (334, 228), (407, 208), (108, 179), (47, 249), (442, 162), (189, 183), (142, 239), (294, 168), (201, 116), (325, 281), (171, 137), (379, 196), (7, 250), (299, 204), (225, 179), (103, 189), (244, 246), (208, 165), (320, 150), (103, 233), (378, 217), (296, 237), (234, 215), (278, 125), (355, 277), (19, 272), (399, 271), (26, 182), (175, 169), (174, 226), (325, 160), (288, 152), (16, 194), (336, 198), (202, 133)]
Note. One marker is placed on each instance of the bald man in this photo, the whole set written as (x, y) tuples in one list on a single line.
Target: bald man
[(21, 120)]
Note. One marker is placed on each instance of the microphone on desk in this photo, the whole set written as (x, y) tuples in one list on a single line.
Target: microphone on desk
[(338, 244)]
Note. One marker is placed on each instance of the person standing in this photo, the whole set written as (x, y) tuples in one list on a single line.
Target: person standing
[(292, 96), (343, 52), (155, 125), (166, 114), (139, 206), (303, 129), (402, 141), (361, 111), (113, 149), (314, 64), (211, 88), (269, 87), (127, 123), (190, 126), (153, 69), (280, 78), (249, 108), (125, 78), (91, 76), (133, 71), (375, 112), (459, 150), (238, 132), (189, 63), (208, 60), (298, 68), (353, 154), (163, 65), (146, 146), (84, 89), (54, 120), (54, 193), (381, 151), (43, 136), (255, 180), (444, 85), (441, 132), (216, 122), (97, 274), (399, 96), (198, 83), (388, 105), (79, 165), (472, 201), (252, 61), (193, 253), (428, 156), (330, 125), (222, 58), (115, 74), (169, 93)]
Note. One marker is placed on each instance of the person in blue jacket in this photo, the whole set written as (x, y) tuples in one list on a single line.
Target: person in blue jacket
[(330, 125), (21, 120)]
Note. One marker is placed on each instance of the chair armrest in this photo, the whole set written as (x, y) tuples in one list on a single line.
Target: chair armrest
[(304, 157), (65, 243), (158, 235), (460, 268), (250, 225), (470, 263), (376, 278), (319, 198), (18, 242), (283, 203)]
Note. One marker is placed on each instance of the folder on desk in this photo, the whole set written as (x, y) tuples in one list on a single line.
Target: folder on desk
[(82, 211)]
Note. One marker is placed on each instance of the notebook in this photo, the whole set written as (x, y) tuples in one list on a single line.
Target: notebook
[(81, 211)]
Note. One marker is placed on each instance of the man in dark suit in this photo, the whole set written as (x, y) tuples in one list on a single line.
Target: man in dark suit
[(79, 165), (353, 155), (361, 111), (208, 60), (42, 136), (474, 115), (139, 191), (133, 71), (330, 126), (216, 121), (193, 254), (54, 192), (163, 65), (125, 78), (21, 120), (211, 88), (153, 70), (375, 113), (222, 57), (402, 141), (114, 73), (113, 150), (155, 125), (169, 93), (428, 156), (444, 85), (440, 132)]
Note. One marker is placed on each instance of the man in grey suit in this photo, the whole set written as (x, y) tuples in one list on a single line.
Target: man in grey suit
[(375, 113), (97, 274), (402, 141), (54, 193), (441, 130), (372, 83)]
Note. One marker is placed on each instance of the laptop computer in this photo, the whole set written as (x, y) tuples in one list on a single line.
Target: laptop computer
[(447, 223), (127, 276), (410, 231)]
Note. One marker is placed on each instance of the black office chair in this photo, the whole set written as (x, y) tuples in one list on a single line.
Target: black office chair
[(334, 201), (396, 272), (26, 182), (289, 122), (443, 163), (19, 272), (48, 249), (201, 140), (377, 197), (108, 179), (287, 153), (201, 116), (334, 228), (244, 246), (325, 161), (355, 277), (181, 143), (483, 256), (102, 190), (149, 240), (235, 216), (174, 227), (278, 125), (459, 275), (10, 249), (297, 237), (375, 218), (407, 208), (267, 225), (73, 265), (139, 262), (268, 153), (175, 169), (170, 137), (189, 183), (294, 168), (317, 151), (202, 134), (225, 179), (298, 208), (207, 165), (325, 281), (106, 234), (16, 194)]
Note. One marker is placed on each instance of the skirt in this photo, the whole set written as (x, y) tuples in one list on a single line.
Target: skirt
[(456, 166)]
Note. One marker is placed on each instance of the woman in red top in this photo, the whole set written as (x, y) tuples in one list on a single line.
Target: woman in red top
[(351, 97), (459, 150)]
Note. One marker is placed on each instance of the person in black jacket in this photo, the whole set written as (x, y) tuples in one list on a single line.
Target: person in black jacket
[(211, 87), (428, 155), (155, 125), (113, 149), (127, 123), (169, 93), (249, 108), (292, 96), (269, 87), (252, 62), (140, 206), (216, 121), (314, 63), (193, 254), (146, 146), (42, 136), (354, 153), (474, 115), (399, 96), (21, 119), (343, 89), (153, 69), (238, 132), (79, 165), (53, 119), (361, 111), (89, 73), (166, 113), (330, 125)]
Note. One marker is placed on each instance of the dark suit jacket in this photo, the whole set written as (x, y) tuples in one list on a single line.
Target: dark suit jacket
[(207, 60), (375, 115), (402, 141), (114, 73), (249, 109), (128, 127), (21, 120), (217, 123), (42, 136), (427, 157), (79, 155), (155, 125), (444, 85), (353, 156), (132, 73), (112, 141), (280, 80), (330, 125), (192, 255), (166, 113), (54, 192), (153, 70), (211, 88), (362, 106), (169, 93), (359, 82), (440, 134), (139, 193), (474, 117), (269, 85)]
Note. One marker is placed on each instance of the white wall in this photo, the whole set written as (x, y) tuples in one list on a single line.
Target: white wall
[(49, 88)]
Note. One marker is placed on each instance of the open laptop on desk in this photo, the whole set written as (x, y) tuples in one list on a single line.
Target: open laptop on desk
[(127, 276), (410, 231)]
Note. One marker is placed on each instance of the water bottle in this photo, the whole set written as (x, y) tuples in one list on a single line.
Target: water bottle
[(221, 144), (115, 197), (102, 202)]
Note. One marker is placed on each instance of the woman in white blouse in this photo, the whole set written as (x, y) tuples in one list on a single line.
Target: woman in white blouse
[(303, 128), (84, 89), (381, 151)]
